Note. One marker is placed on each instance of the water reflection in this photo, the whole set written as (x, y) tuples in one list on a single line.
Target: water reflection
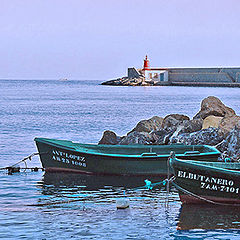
[(92, 182), (76, 187), (208, 217)]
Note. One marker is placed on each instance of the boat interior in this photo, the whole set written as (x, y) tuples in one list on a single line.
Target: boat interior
[(142, 150), (222, 165)]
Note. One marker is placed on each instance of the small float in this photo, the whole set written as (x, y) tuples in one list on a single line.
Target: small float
[(136, 160)]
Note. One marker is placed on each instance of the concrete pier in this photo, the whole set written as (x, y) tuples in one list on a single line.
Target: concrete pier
[(185, 76)]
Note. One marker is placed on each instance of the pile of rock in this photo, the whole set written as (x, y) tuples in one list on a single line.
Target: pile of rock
[(215, 124), (125, 81)]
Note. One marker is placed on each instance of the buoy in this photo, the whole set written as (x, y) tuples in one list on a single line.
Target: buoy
[(148, 184), (122, 203)]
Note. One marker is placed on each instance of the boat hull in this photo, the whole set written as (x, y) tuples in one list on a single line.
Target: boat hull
[(201, 183), (56, 157)]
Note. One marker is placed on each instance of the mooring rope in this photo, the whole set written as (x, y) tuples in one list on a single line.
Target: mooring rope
[(56, 203), (168, 176), (13, 168), (26, 158), (23, 160), (148, 186)]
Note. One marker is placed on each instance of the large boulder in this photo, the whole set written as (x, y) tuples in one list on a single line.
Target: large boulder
[(208, 136), (213, 106), (189, 126), (230, 146), (161, 137), (216, 114), (211, 121), (228, 123), (215, 124), (172, 120), (149, 125), (137, 138), (164, 135), (109, 137)]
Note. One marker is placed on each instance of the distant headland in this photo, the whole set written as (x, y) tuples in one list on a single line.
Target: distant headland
[(185, 76)]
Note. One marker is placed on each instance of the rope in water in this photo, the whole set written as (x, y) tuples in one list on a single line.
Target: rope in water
[(26, 158), (202, 198), (148, 186), (57, 203), (23, 160), (14, 168)]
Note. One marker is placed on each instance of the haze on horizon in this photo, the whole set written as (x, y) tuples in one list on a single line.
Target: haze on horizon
[(96, 39)]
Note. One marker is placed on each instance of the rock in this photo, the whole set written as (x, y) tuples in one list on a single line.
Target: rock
[(211, 121), (225, 117), (137, 138), (145, 84), (208, 136), (222, 147), (213, 106), (149, 125), (164, 136), (109, 137), (115, 82), (189, 126), (161, 137), (125, 81), (215, 124), (173, 120), (228, 123), (231, 145)]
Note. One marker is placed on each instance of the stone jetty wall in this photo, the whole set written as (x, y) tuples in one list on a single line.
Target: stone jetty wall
[(215, 124), (219, 76)]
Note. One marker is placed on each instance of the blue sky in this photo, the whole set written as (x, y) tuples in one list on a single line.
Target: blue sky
[(99, 39)]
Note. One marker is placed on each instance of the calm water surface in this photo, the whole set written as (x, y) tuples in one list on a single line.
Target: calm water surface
[(81, 111)]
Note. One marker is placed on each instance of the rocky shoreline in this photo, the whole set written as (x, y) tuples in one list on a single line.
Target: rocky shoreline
[(215, 124), (125, 81)]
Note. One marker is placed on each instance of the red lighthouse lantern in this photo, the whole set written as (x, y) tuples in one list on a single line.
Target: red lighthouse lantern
[(146, 65)]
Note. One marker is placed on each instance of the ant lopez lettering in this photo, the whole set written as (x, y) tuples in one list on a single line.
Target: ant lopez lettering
[(210, 183), (67, 158)]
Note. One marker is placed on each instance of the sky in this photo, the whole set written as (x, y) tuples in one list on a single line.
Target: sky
[(100, 39)]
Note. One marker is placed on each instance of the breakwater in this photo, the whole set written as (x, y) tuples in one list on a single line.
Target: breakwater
[(215, 124), (200, 84), (200, 77)]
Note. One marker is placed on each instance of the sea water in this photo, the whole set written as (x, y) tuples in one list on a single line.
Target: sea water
[(81, 111)]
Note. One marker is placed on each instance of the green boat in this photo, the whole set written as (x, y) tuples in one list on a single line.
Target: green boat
[(62, 155), (207, 182)]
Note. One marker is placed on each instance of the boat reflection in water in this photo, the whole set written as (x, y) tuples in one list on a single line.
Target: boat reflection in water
[(94, 182), (194, 216), (70, 186)]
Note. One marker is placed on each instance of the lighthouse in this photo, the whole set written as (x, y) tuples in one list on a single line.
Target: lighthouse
[(147, 73), (146, 65), (153, 74)]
